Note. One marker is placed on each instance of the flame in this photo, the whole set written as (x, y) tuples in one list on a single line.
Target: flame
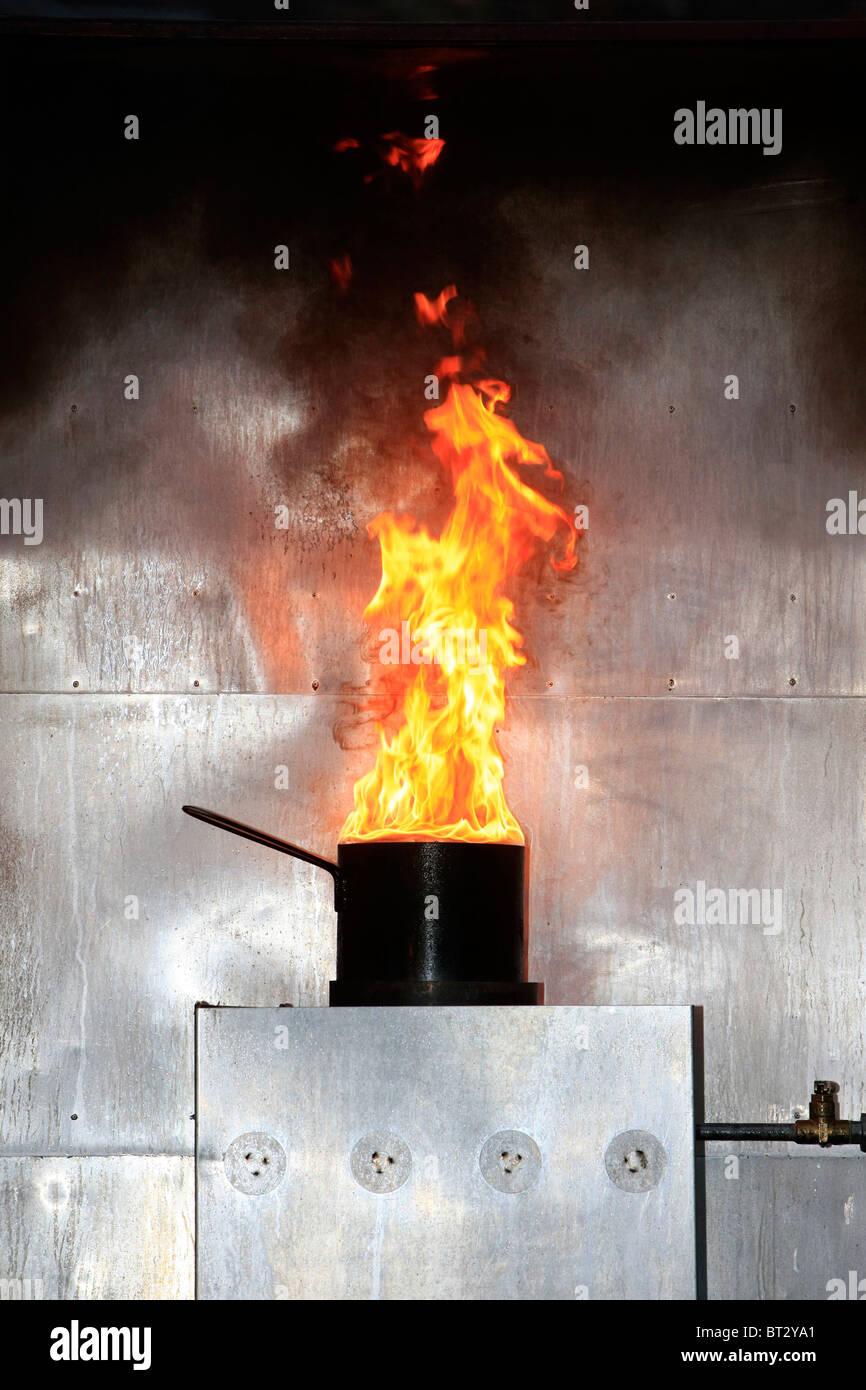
[(434, 310), (411, 155), (341, 271), (420, 80), (440, 776), (455, 313)]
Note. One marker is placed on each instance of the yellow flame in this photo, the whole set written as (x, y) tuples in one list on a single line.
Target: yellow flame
[(440, 776)]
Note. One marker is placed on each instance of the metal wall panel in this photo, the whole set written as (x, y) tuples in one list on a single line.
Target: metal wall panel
[(85, 1228), (704, 523), (161, 564), (760, 794), (754, 794), (778, 1229), (98, 1002)]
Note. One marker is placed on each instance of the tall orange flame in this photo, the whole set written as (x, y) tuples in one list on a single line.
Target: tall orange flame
[(449, 626)]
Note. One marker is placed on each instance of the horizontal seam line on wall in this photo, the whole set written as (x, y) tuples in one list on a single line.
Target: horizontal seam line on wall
[(116, 1153), (350, 699)]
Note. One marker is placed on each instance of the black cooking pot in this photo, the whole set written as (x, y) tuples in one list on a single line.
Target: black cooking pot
[(420, 921)]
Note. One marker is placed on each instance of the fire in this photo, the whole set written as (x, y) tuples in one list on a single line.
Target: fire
[(341, 271), (410, 154), (413, 156), (448, 626), (434, 310)]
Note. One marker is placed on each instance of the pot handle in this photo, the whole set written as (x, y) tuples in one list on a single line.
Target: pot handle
[(261, 837)]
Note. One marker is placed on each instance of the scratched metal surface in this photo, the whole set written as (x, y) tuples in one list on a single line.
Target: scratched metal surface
[(95, 1228), (705, 523), (778, 1229), (96, 1006), (161, 566), (444, 1081)]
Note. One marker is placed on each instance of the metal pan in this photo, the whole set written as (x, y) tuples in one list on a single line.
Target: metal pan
[(420, 921)]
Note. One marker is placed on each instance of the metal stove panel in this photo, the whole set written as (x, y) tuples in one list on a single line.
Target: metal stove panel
[(358, 1153)]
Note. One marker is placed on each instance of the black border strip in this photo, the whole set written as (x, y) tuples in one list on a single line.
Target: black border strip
[(442, 34)]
